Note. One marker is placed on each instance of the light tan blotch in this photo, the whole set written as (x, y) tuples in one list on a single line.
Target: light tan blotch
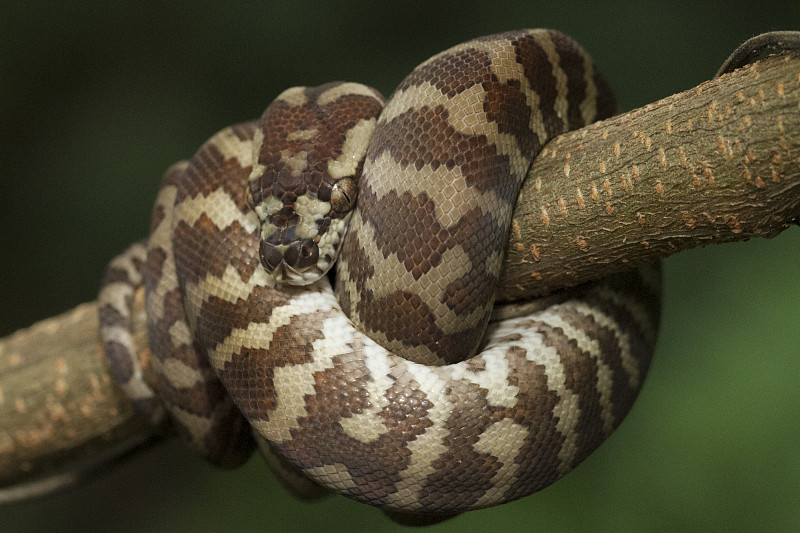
[(779, 123), (545, 216), (759, 182), (595, 194), (294, 96), (659, 187), (616, 149), (709, 176), (61, 387), (344, 89), (733, 223), (56, 412), (562, 207), (579, 197), (669, 126), (695, 179), (607, 186), (86, 409), (712, 108), (95, 385), (662, 157), (302, 134), (609, 209)]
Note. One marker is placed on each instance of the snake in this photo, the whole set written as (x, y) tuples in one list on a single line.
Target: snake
[(395, 381)]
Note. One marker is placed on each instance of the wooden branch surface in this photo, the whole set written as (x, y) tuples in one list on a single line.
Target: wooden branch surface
[(714, 164), (58, 405)]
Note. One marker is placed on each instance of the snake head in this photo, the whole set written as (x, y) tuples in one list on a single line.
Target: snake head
[(308, 154)]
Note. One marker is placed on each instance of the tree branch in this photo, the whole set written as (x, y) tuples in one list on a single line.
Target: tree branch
[(714, 164), (62, 416)]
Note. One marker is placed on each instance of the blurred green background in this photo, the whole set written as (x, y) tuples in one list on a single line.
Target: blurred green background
[(98, 98)]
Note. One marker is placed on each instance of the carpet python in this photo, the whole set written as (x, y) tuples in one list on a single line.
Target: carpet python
[(392, 390)]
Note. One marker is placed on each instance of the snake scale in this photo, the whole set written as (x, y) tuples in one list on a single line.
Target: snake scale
[(375, 390)]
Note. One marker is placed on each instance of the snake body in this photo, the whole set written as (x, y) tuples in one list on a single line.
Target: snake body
[(233, 348)]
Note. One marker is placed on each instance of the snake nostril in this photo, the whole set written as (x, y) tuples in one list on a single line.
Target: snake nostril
[(271, 255), (302, 254), (309, 248)]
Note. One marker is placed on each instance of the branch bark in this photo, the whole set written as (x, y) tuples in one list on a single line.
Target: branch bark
[(717, 163), (62, 416)]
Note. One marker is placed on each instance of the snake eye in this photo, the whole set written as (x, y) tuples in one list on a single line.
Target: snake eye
[(344, 195)]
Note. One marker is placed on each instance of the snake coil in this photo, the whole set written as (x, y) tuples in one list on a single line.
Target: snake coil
[(339, 385)]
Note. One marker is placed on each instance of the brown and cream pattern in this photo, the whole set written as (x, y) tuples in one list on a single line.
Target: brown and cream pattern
[(308, 154), (546, 388), (442, 174), (124, 275)]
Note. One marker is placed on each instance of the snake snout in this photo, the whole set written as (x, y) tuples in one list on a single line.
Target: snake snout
[(288, 262)]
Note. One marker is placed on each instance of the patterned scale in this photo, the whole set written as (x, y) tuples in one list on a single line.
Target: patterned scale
[(441, 178), (454, 143)]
